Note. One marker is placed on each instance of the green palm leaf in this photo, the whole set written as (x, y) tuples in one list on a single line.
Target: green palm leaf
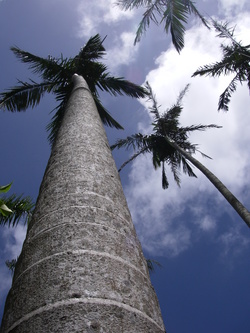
[(166, 130), (173, 13), (92, 50), (106, 118), (21, 208), (27, 94), (56, 74), (148, 16), (175, 16), (51, 69), (225, 97), (119, 86), (236, 60)]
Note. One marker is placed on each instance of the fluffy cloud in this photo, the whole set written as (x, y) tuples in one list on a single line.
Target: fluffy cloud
[(232, 7), (124, 52), (97, 17), (95, 13), (167, 220), (13, 240)]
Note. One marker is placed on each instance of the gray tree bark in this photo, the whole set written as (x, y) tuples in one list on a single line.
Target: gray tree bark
[(81, 268)]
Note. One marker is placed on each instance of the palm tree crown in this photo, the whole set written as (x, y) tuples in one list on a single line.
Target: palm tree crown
[(169, 145), (56, 74), (166, 129), (174, 14), (236, 61)]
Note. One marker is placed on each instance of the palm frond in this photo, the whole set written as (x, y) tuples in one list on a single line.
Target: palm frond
[(192, 9), (11, 264), (4, 209), (181, 95), (224, 31), (105, 116), (236, 60), (140, 152), (5, 188), (51, 69), (148, 16), (174, 13), (119, 86), (154, 108), (22, 208), (92, 50), (187, 168), (174, 162), (156, 160), (202, 154), (136, 141), (215, 69), (27, 94), (166, 139), (151, 263), (199, 127), (225, 97), (130, 4), (164, 178), (175, 16), (62, 96)]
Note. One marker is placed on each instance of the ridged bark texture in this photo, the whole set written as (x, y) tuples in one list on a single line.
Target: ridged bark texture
[(81, 268)]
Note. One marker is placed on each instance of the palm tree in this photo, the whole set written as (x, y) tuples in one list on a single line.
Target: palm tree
[(169, 145), (174, 14), (236, 61), (14, 208), (81, 268)]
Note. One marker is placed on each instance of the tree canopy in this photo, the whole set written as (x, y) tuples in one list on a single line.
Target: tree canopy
[(166, 128), (56, 74), (235, 61)]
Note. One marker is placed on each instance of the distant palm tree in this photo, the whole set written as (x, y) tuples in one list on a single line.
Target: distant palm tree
[(14, 208), (81, 268), (236, 61), (174, 14), (169, 145)]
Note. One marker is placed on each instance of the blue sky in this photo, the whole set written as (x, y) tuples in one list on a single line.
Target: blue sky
[(201, 243)]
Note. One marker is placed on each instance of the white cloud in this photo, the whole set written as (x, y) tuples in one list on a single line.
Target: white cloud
[(233, 242), (14, 238), (206, 223), (124, 52), (95, 13), (232, 7), (165, 220), (13, 241), (98, 17)]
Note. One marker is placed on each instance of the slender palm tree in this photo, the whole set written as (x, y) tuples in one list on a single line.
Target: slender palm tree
[(169, 145), (236, 61), (81, 268), (173, 13), (14, 208)]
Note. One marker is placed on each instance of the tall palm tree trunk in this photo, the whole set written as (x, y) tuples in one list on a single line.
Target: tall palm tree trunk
[(231, 199), (81, 268)]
